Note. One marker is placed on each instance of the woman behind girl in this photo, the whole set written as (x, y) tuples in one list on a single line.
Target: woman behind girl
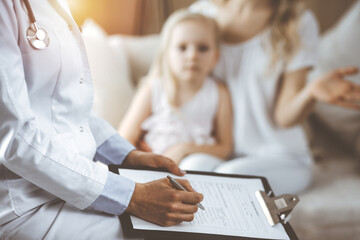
[(180, 110), (268, 48)]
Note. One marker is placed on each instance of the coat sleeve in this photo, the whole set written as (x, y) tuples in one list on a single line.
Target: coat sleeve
[(307, 54)]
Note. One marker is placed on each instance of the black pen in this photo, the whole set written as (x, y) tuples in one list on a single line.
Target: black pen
[(179, 187)]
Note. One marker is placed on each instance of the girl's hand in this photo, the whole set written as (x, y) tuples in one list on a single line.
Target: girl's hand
[(333, 88), (178, 152)]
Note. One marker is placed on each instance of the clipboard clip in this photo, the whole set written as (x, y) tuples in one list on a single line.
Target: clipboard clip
[(277, 209)]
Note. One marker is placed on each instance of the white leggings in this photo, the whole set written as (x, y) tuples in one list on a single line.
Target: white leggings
[(286, 173)]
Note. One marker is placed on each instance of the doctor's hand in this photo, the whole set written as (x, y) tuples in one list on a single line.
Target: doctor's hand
[(179, 151), (160, 203), (139, 159), (333, 88)]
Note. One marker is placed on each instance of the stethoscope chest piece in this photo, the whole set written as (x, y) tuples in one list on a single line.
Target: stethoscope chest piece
[(37, 37)]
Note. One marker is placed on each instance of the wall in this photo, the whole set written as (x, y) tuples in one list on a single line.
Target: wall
[(129, 17), (328, 11), (115, 16), (156, 12), (141, 17)]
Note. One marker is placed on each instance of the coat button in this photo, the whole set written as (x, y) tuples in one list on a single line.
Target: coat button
[(81, 129), (81, 81), (70, 27)]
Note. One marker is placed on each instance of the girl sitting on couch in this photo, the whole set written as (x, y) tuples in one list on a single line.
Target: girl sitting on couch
[(180, 110)]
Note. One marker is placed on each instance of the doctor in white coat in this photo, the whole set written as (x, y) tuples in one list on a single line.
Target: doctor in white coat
[(50, 187)]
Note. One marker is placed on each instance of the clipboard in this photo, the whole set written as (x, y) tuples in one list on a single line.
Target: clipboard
[(129, 230)]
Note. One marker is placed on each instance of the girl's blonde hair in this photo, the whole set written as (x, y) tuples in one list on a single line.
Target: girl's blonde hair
[(284, 36), (160, 68)]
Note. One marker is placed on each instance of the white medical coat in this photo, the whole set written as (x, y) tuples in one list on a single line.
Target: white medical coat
[(48, 136)]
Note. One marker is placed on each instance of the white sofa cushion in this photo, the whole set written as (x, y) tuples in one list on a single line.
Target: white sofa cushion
[(109, 67), (140, 52)]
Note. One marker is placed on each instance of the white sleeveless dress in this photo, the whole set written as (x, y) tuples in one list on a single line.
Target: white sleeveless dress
[(192, 122)]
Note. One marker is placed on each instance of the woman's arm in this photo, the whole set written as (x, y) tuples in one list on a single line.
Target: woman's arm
[(296, 99), (223, 133), (139, 110)]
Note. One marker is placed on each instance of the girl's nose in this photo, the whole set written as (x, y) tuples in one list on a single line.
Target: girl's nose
[(192, 52)]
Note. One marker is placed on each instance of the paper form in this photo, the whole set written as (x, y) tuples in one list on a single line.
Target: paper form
[(231, 207)]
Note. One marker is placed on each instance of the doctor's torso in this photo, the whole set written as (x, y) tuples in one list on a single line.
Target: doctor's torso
[(57, 77), (53, 93)]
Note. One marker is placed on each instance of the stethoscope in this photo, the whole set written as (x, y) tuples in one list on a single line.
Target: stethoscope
[(37, 36)]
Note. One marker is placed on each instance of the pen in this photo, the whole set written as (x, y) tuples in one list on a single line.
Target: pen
[(179, 187)]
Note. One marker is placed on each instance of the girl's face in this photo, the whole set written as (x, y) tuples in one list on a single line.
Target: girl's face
[(192, 51)]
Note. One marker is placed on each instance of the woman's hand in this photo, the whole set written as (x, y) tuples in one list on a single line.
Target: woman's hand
[(139, 159), (335, 89), (160, 203)]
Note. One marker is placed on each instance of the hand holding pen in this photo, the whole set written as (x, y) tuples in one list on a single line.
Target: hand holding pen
[(180, 187), (158, 202)]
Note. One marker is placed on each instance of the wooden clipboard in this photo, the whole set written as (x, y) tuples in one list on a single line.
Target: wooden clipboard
[(173, 235)]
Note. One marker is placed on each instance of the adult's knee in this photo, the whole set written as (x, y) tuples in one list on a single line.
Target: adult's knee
[(304, 179)]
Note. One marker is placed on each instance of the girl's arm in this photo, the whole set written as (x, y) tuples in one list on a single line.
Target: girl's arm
[(139, 110), (296, 99), (223, 133)]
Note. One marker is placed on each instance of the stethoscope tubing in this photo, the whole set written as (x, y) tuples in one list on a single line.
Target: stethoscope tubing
[(30, 12)]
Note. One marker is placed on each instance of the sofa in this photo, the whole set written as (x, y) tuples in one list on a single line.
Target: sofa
[(330, 208)]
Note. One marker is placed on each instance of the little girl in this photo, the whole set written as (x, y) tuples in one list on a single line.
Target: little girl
[(180, 110)]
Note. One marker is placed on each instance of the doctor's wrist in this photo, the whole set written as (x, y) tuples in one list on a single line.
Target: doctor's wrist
[(131, 160)]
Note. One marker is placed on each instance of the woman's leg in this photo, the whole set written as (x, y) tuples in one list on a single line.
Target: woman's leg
[(200, 162), (286, 173)]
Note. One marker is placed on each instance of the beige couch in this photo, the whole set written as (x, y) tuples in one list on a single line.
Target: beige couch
[(330, 208)]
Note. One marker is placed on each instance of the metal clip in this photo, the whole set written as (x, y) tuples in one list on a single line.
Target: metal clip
[(277, 209)]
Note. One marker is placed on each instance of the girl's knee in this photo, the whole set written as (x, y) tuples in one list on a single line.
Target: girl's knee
[(200, 162), (226, 167)]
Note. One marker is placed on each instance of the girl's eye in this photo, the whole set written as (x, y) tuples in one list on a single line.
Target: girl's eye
[(182, 48), (203, 48)]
